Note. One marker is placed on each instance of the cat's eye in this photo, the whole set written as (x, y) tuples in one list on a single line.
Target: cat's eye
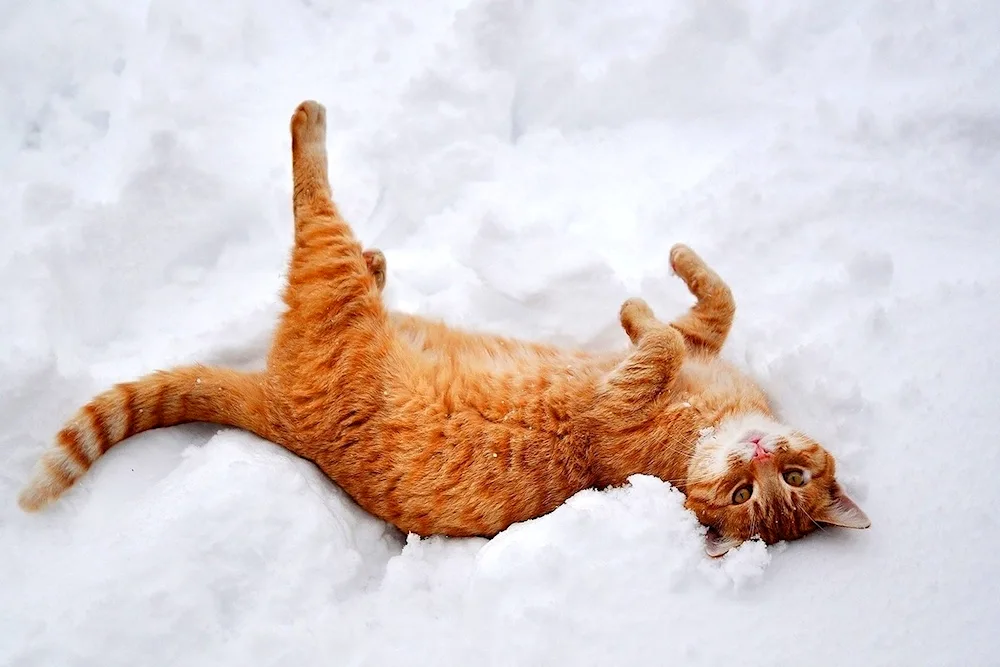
[(742, 494), (794, 477)]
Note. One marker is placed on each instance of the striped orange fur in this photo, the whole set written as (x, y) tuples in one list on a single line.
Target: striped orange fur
[(163, 398), (443, 431)]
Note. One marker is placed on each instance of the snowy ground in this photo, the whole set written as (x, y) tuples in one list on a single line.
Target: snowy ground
[(525, 166)]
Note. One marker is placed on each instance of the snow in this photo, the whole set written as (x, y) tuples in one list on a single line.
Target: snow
[(525, 167)]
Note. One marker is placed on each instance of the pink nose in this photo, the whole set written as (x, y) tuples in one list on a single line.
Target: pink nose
[(759, 453)]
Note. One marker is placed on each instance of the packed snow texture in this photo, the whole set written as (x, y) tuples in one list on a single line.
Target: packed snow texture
[(525, 166)]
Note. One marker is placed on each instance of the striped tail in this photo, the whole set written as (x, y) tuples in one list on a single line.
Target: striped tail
[(164, 398)]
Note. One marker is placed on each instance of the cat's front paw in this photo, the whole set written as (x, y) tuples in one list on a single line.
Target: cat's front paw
[(684, 261), (309, 124), (700, 279), (635, 316)]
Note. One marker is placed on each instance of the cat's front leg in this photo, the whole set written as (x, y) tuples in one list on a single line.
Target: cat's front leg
[(656, 360), (637, 319), (706, 325)]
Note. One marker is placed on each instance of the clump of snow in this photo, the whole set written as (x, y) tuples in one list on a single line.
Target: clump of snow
[(525, 167)]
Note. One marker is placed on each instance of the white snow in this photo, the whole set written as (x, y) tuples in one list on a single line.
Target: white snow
[(525, 166)]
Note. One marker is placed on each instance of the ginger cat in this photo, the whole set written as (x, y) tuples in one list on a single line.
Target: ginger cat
[(441, 431)]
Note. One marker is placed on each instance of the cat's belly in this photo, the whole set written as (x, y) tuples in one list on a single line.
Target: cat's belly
[(465, 451), (464, 476), (475, 436), (436, 343)]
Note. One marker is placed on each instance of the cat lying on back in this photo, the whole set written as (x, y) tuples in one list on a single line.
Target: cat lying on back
[(441, 431)]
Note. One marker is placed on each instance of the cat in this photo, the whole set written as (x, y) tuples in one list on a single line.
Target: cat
[(443, 431)]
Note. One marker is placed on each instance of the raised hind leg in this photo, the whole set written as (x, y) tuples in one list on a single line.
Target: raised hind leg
[(706, 325), (327, 256), (331, 344)]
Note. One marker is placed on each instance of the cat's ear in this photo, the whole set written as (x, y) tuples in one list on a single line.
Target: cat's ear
[(842, 511), (716, 545)]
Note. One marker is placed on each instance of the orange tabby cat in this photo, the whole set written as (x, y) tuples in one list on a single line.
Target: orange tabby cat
[(441, 431)]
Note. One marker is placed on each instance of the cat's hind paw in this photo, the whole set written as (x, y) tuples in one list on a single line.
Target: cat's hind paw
[(376, 266), (308, 124)]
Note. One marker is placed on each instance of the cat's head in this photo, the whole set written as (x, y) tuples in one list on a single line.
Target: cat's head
[(752, 476)]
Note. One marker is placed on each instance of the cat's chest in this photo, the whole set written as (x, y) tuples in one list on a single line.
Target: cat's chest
[(705, 383)]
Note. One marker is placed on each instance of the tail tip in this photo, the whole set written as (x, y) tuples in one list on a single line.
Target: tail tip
[(33, 499)]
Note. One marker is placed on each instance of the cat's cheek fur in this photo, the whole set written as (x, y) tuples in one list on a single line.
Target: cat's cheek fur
[(710, 459)]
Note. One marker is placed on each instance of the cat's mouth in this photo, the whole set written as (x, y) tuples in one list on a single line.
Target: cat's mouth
[(758, 445)]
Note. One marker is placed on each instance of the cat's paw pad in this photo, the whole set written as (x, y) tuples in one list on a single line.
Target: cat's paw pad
[(376, 265), (309, 123), (635, 316)]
